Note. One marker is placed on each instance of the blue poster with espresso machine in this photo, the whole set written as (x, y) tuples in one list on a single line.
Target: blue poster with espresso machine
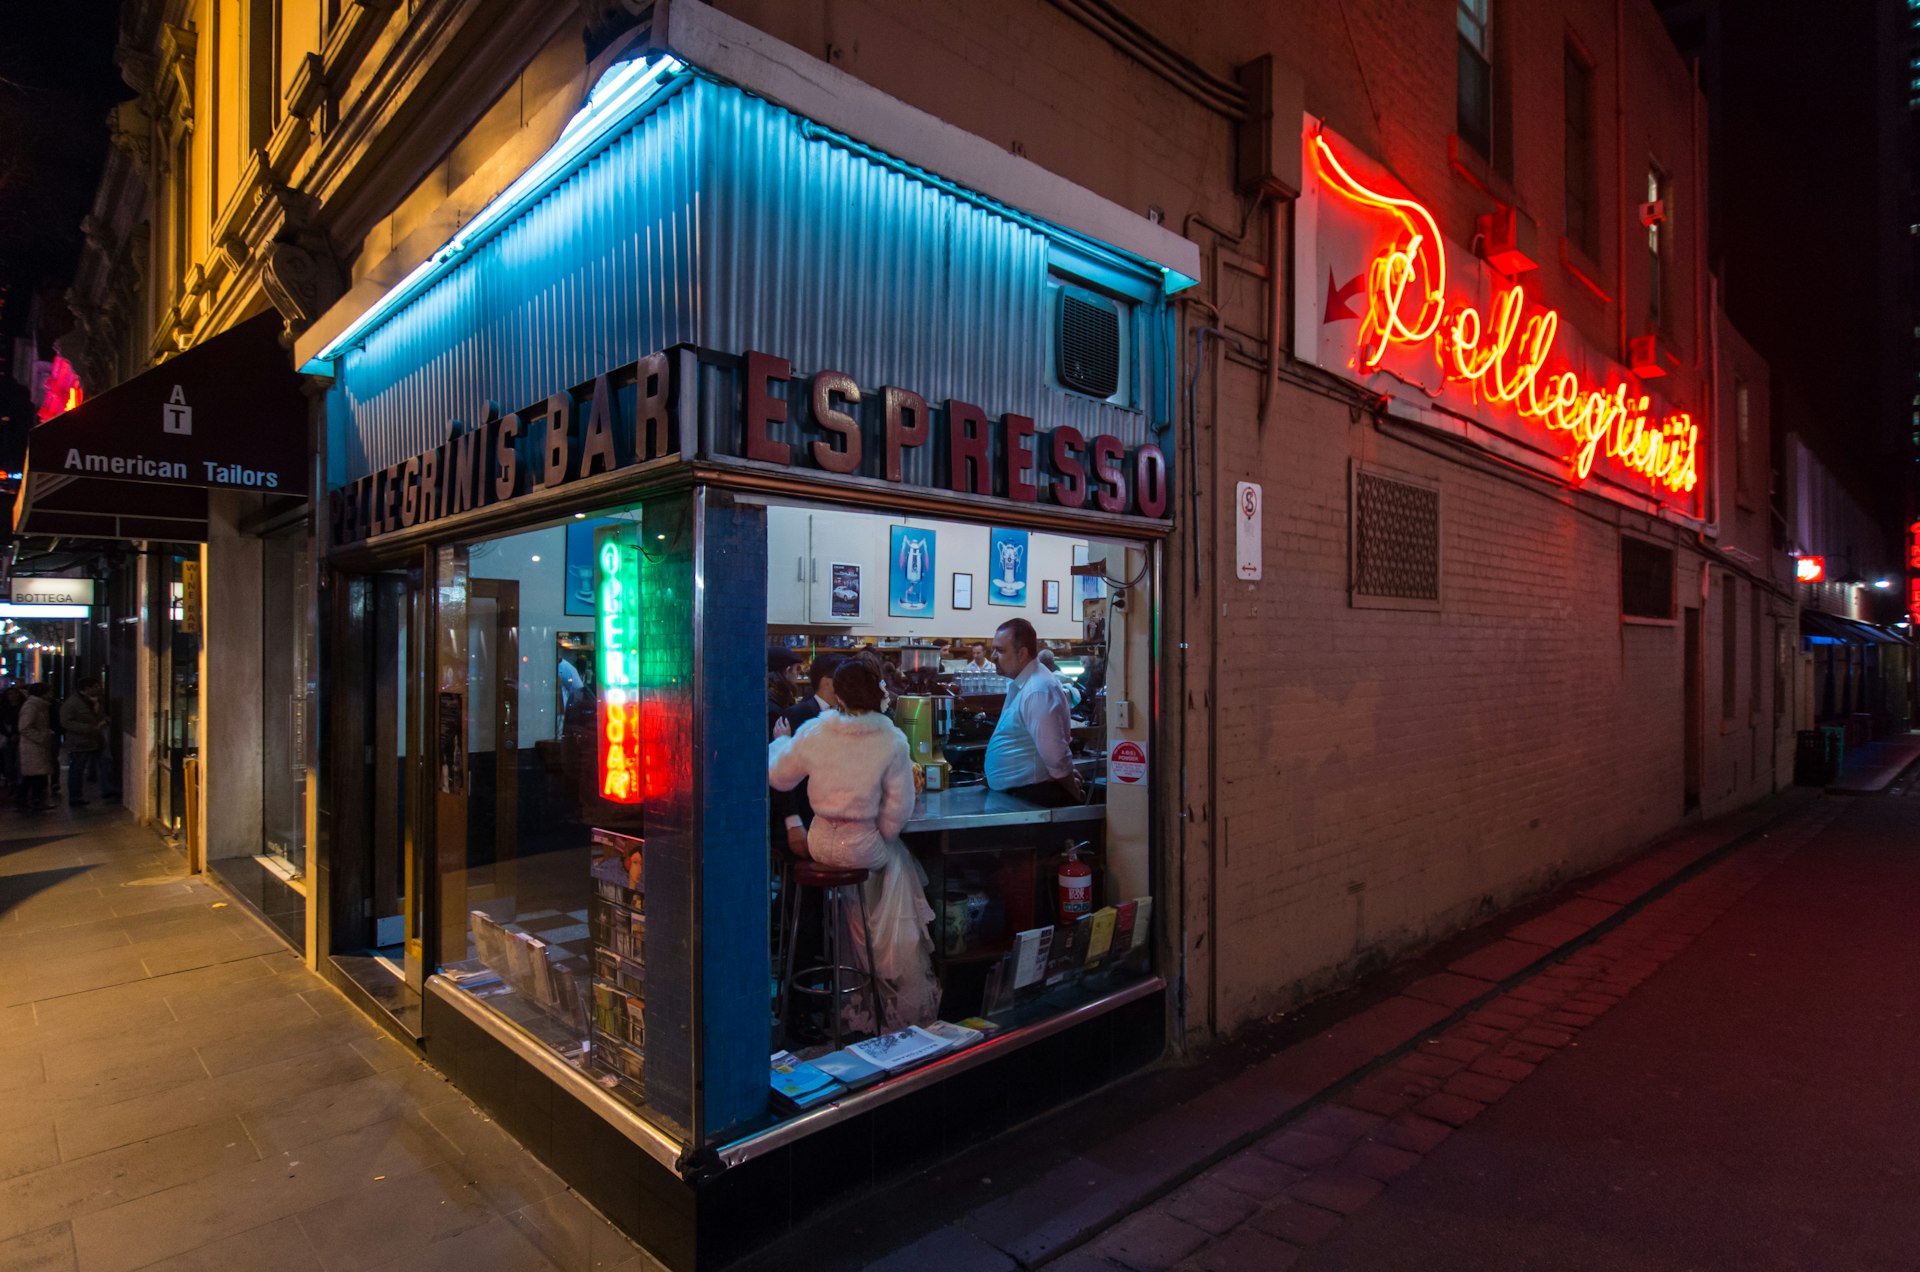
[(910, 582), (1007, 568)]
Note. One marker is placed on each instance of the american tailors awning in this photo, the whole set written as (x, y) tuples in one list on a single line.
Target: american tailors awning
[(136, 462)]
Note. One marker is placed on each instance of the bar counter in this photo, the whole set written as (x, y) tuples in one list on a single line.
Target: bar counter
[(975, 806)]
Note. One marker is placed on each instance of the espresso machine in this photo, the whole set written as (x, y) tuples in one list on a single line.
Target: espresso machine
[(925, 718), (924, 712)]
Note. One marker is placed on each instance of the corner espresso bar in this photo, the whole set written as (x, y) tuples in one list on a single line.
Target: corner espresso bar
[(634, 414)]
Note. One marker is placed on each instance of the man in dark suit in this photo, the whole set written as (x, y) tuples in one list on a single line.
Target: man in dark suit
[(791, 810)]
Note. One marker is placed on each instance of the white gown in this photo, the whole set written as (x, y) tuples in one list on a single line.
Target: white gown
[(859, 775)]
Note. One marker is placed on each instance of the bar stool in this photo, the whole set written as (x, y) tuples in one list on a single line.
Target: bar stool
[(839, 980)]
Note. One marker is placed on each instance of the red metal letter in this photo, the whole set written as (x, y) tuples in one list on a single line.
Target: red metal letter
[(967, 439), (826, 386), (896, 406), (762, 408), (1020, 486), (1069, 474), (1107, 454)]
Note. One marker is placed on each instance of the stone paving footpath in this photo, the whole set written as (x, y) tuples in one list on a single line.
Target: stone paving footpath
[(1263, 1208), (177, 1091)]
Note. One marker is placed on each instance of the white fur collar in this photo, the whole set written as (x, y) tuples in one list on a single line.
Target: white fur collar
[(841, 722)]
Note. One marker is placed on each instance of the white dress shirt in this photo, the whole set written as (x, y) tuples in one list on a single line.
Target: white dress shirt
[(1032, 741)]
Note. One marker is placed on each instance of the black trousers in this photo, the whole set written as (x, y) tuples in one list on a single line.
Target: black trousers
[(1051, 793)]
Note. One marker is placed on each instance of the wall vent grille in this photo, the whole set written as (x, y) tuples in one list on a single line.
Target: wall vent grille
[(1396, 541)]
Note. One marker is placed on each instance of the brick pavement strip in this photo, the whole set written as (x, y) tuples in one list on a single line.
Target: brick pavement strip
[(177, 1091), (1335, 1158)]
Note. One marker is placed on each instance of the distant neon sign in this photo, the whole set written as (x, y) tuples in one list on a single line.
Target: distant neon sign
[(63, 391), (1913, 575), (616, 579), (1500, 354), (1810, 569)]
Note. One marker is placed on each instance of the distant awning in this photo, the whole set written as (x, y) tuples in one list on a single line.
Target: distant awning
[(1832, 628), (136, 462)]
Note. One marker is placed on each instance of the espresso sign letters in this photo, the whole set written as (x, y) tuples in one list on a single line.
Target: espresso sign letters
[(826, 423)]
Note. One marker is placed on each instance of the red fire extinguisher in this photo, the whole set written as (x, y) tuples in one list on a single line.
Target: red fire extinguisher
[(1076, 885)]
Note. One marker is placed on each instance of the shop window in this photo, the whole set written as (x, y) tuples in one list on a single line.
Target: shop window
[(1646, 580), (1395, 537), (546, 905), (1010, 943)]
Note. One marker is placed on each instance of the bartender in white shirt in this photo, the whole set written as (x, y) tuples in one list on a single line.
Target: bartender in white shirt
[(1028, 754)]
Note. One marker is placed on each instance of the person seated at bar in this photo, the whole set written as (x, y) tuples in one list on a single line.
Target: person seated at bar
[(791, 811), (1029, 754), (978, 665), (859, 776)]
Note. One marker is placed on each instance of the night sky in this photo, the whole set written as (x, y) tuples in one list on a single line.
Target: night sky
[(57, 82)]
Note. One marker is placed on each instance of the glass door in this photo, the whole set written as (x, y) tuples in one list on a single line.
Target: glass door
[(396, 780), (179, 697)]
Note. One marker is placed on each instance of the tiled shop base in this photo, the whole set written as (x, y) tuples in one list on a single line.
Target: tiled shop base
[(1260, 1208)]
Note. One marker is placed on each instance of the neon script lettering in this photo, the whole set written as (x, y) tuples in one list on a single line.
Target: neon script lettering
[(1501, 355)]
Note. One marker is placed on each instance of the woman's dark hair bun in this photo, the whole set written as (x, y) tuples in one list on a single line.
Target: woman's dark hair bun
[(857, 687)]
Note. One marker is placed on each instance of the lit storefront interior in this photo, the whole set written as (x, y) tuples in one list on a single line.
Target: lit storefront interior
[(564, 543)]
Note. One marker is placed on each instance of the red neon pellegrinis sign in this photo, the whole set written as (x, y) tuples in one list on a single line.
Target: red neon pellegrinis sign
[(1500, 354)]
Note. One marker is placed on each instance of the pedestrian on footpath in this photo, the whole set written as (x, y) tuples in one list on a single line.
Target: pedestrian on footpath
[(10, 703), (39, 755), (83, 719)]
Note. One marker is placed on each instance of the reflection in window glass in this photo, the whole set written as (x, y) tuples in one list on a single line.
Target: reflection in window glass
[(550, 879)]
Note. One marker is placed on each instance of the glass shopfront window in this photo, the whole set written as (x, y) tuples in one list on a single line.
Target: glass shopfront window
[(1031, 855), (542, 898), (559, 724)]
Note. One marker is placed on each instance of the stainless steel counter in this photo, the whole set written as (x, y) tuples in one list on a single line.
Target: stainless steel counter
[(975, 806)]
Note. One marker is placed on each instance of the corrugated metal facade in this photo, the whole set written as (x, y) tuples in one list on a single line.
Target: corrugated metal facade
[(722, 220)]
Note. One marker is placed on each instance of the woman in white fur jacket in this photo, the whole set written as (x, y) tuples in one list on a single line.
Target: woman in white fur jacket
[(859, 775)]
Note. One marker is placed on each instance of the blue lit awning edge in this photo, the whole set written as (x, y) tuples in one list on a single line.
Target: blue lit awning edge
[(623, 94)]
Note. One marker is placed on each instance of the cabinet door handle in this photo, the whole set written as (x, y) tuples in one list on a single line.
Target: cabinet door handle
[(800, 569)]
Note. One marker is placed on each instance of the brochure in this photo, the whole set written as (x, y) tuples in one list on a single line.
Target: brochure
[(897, 1051), (847, 1068), (957, 1035), (800, 1083)]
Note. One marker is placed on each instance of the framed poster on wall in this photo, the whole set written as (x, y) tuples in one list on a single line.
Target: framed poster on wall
[(910, 572), (846, 589), (963, 591), (1050, 596), (577, 601), (1007, 568), (1090, 586)]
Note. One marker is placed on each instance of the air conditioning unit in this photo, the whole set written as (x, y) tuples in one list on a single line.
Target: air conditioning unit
[(1506, 241), (1644, 354), (1089, 343), (1653, 213)]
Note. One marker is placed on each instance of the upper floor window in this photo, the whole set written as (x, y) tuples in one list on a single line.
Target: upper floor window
[(1475, 113), (1583, 229), (1657, 236), (1743, 437)]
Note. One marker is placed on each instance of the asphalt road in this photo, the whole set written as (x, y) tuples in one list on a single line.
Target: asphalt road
[(1755, 1104)]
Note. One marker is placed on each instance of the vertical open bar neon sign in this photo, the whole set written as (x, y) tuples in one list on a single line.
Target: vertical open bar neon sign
[(616, 580)]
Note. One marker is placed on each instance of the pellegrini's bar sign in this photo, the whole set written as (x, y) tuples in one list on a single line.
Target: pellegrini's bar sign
[(825, 423), (1471, 347)]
